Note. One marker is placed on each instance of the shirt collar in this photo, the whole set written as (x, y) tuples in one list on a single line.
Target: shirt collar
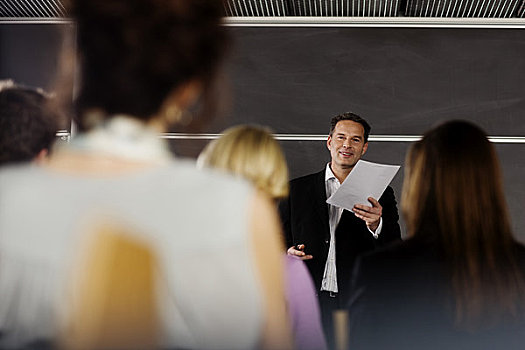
[(328, 174)]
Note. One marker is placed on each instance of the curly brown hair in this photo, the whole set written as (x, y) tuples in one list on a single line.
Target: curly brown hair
[(133, 53)]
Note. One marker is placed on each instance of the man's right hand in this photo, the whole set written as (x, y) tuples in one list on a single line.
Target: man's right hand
[(298, 251)]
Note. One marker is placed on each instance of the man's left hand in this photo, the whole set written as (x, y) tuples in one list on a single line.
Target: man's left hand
[(370, 215)]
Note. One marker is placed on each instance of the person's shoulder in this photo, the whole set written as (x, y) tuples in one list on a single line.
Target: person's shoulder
[(294, 265), (184, 176), (389, 252), (16, 168), (411, 249), (408, 263), (187, 168), (18, 173), (298, 279)]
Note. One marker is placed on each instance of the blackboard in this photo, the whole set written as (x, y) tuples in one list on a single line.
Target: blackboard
[(402, 80), (29, 53)]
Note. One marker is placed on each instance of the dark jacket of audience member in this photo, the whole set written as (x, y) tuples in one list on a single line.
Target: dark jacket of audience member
[(458, 281)]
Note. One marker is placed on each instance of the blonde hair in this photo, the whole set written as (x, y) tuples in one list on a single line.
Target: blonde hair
[(252, 153)]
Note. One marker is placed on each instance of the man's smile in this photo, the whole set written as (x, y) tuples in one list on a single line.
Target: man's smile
[(346, 153)]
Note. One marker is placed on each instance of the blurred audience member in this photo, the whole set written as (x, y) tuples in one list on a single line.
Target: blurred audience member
[(27, 124), (143, 64), (252, 153), (458, 281)]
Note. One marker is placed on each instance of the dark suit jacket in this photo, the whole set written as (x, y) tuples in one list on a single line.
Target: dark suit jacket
[(304, 215), (402, 299)]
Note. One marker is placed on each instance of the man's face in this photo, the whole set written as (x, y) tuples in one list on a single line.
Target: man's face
[(346, 144)]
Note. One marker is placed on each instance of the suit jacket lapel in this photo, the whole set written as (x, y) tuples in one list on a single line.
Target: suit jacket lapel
[(319, 191)]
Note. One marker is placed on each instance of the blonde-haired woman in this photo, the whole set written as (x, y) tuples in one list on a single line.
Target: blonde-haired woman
[(252, 153)]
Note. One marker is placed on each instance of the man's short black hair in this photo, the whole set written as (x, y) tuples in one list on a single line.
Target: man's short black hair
[(352, 117), (27, 124)]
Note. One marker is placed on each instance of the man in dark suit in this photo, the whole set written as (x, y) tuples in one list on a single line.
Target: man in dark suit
[(329, 238)]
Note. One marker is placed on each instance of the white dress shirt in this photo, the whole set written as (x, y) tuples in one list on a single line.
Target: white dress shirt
[(332, 184)]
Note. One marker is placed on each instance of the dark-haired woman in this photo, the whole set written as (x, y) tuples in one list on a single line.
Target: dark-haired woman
[(458, 281), (143, 63)]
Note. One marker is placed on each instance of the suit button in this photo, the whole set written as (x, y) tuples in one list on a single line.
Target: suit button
[(327, 241)]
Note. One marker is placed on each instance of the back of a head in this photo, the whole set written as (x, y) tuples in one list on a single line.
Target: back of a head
[(27, 124), (453, 188), (453, 164), (252, 153), (134, 53)]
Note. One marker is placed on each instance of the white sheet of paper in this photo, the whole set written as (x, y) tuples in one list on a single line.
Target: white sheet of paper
[(367, 179)]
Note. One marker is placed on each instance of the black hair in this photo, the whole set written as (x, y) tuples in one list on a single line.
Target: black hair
[(352, 117), (27, 124)]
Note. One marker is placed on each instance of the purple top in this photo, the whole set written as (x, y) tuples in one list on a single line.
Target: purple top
[(303, 306)]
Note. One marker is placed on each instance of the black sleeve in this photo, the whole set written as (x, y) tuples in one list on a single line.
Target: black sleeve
[(390, 231), (284, 213)]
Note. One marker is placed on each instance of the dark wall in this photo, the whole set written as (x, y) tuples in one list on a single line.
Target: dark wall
[(294, 79), (402, 80), (29, 53)]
